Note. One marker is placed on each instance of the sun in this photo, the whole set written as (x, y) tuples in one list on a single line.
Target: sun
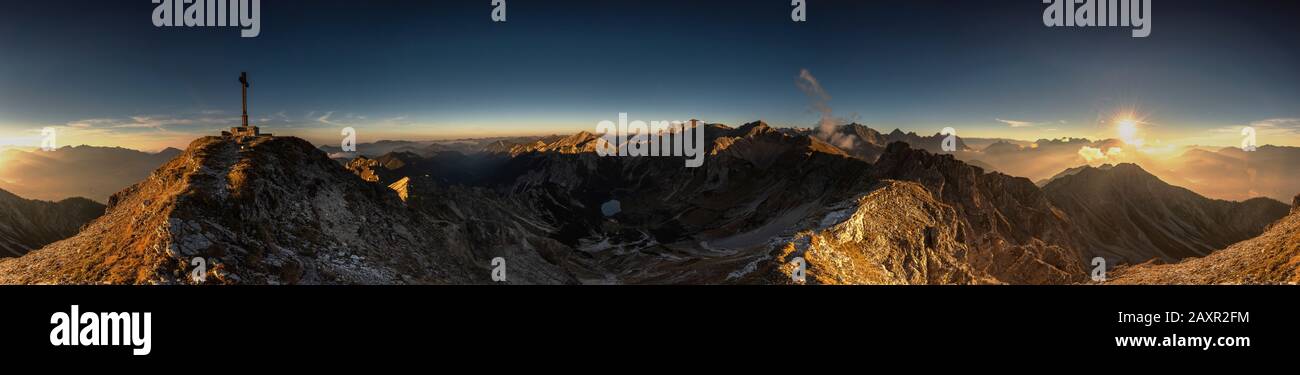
[(1127, 129)]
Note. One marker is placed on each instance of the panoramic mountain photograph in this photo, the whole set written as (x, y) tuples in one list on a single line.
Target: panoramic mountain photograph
[(649, 142)]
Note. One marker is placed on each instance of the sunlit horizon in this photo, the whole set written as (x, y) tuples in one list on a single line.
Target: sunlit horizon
[(1135, 132)]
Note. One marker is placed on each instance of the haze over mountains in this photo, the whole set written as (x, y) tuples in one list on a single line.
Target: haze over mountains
[(1221, 173), (81, 171), (281, 211)]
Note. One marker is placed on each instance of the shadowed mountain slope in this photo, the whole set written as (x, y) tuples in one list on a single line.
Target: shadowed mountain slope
[(1127, 215), (30, 224)]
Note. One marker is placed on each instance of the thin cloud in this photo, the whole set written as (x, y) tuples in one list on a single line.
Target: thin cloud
[(1281, 125), (1275, 126), (1017, 124), (821, 103), (154, 131), (326, 118), (91, 123)]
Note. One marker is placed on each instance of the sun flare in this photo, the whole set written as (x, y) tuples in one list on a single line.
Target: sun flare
[(1128, 131), (1128, 127)]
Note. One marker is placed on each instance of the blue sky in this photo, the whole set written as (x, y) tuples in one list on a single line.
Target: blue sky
[(103, 74)]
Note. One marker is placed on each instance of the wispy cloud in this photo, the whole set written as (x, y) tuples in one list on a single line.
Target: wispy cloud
[(92, 123), (149, 122), (1017, 123), (1274, 131), (1289, 126), (821, 104), (153, 131), (326, 118), (1282, 126)]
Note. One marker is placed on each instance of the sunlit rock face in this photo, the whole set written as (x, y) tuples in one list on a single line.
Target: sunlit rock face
[(278, 211), (1015, 233), (897, 234)]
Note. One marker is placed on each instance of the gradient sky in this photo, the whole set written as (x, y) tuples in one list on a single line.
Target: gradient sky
[(104, 75)]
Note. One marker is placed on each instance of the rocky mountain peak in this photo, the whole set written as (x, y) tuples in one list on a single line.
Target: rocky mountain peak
[(272, 210), (1127, 215), (580, 142), (1008, 218), (1126, 168), (753, 129), (1107, 175)]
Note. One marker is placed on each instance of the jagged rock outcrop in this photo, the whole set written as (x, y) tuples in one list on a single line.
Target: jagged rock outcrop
[(1014, 232), (582, 142), (897, 234), (26, 225), (1271, 258), (1126, 215), (276, 211), (402, 187)]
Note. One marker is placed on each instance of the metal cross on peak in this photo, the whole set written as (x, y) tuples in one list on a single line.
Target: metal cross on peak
[(243, 80), (246, 131)]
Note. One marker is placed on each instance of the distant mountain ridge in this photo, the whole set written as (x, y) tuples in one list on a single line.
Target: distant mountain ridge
[(868, 144), (80, 171)]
